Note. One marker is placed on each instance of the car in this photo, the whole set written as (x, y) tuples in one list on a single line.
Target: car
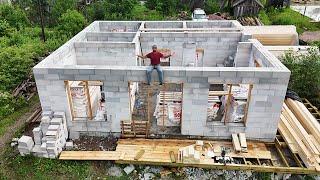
[(199, 15)]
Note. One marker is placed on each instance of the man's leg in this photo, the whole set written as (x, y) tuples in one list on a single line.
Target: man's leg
[(149, 72), (160, 73)]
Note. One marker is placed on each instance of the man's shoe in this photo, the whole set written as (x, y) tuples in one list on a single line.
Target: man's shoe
[(161, 84)]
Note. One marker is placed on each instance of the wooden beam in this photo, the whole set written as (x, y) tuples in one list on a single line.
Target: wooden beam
[(87, 93), (243, 142), (67, 85), (247, 105), (236, 142), (284, 160), (228, 104)]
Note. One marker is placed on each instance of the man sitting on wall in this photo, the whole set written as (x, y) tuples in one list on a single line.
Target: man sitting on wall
[(154, 57)]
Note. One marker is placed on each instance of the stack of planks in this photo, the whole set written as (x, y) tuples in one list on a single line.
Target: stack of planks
[(301, 131), (239, 142)]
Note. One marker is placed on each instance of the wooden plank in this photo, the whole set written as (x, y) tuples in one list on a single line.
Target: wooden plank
[(247, 105), (90, 155), (67, 85), (86, 87), (306, 119), (281, 155), (228, 104), (243, 142), (304, 136), (139, 154), (172, 157), (236, 143)]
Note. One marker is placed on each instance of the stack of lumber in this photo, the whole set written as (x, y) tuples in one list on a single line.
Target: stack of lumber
[(168, 108), (301, 131), (239, 142), (274, 35), (250, 21)]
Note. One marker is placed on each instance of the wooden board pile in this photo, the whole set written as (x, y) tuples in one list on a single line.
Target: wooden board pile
[(250, 21), (274, 35), (301, 131), (168, 108), (239, 142)]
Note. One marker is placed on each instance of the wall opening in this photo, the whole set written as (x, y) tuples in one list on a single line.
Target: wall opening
[(160, 105), (228, 103), (86, 100)]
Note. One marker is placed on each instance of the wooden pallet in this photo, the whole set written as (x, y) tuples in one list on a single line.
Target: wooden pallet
[(134, 129)]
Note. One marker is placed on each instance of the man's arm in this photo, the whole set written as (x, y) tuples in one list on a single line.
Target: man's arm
[(169, 55), (142, 56)]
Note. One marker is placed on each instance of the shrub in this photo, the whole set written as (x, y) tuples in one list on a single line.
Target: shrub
[(15, 65), (211, 6), (142, 13), (14, 16), (71, 22), (5, 28), (305, 74), (8, 104)]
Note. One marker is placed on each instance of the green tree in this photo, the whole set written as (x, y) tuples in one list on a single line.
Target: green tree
[(120, 9), (14, 16), (60, 7), (165, 7), (71, 22), (95, 11), (211, 6), (305, 74)]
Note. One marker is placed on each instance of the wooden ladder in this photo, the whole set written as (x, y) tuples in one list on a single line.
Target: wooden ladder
[(134, 129)]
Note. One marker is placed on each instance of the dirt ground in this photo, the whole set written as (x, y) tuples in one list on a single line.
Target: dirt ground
[(89, 143)]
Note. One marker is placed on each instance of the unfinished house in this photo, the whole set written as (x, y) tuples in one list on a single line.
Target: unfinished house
[(219, 82)]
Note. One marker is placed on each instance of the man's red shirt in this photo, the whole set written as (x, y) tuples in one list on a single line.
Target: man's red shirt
[(155, 57)]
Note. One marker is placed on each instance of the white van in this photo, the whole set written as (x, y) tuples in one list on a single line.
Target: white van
[(199, 15)]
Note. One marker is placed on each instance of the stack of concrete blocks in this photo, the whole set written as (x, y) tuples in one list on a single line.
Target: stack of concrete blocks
[(49, 138), (25, 145)]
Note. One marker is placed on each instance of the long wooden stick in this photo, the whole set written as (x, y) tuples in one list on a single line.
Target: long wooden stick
[(228, 104), (247, 106), (69, 99), (86, 87)]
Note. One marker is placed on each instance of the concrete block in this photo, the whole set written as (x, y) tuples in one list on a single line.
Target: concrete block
[(26, 142)]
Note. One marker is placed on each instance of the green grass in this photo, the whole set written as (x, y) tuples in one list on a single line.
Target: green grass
[(287, 16), (9, 120)]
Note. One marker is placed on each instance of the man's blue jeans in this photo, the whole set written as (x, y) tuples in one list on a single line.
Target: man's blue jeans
[(159, 70)]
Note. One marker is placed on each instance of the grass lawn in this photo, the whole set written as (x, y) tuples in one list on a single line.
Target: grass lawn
[(11, 119)]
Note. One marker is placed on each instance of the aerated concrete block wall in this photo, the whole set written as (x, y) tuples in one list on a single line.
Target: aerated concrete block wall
[(217, 46), (115, 64), (101, 53)]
